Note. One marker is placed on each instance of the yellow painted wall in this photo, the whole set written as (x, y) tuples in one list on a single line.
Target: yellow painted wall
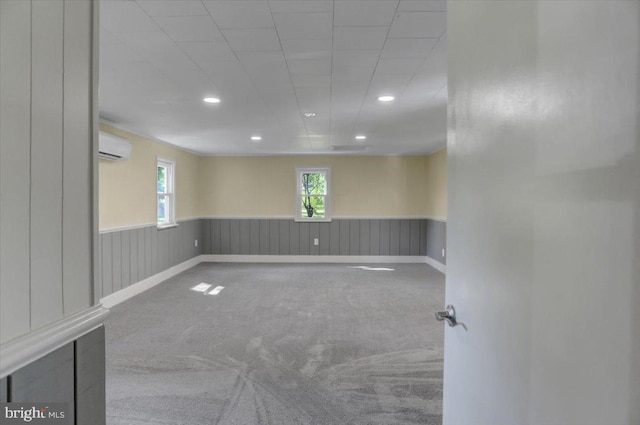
[(127, 188), (361, 185), (436, 184), (263, 186)]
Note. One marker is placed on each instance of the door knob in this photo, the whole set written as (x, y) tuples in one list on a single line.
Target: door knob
[(449, 316)]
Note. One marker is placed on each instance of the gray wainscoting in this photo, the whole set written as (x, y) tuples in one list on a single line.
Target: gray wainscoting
[(436, 240), (74, 374), (391, 237), (129, 256)]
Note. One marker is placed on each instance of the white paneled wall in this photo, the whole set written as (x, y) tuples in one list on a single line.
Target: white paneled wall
[(46, 162)]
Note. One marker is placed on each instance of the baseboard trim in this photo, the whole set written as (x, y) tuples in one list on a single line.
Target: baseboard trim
[(24, 350), (341, 259), (137, 288), (436, 265)]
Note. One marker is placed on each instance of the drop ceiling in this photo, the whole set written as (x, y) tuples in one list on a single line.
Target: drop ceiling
[(270, 62)]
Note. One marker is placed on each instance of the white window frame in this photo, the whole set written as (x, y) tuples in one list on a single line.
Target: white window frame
[(298, 194), (170, 193)]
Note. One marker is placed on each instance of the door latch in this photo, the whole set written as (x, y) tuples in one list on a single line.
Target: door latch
[(449, 316)]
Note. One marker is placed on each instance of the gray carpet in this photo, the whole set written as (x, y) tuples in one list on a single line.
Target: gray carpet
[(282, 345)]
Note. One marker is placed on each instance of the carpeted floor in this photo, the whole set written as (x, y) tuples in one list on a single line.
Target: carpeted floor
[(282, 345)]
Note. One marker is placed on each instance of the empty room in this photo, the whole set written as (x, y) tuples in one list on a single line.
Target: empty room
[(248, 212)]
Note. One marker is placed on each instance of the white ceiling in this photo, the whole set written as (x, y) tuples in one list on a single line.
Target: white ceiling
[(271, 61)]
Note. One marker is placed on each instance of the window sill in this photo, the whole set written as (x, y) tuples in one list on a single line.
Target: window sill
[(312, 220), (167, 226)]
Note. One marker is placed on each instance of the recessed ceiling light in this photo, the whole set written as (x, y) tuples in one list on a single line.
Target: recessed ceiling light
[(309, 114), (361, 137), (256, 138), (386, 98), (211, 100)]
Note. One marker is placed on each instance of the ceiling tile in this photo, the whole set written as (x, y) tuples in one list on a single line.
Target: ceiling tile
[(237, 14), (307, 49), (418, 25), (359, 38), (208, 51), (407, 48), (309, 67), (190, 28), (345, 59), (352, 13), (304, 26), (423, 6), (301, 6), (398, 66), (311, 80), (172, 7), (125, 16), (252, 40)]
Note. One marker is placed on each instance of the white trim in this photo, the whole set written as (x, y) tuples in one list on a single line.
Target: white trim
[(140, 226), (441, 219), (245, 217), (436, 265), (123, 228), (170, 188), (335, 217), (340, 259), (167, 226), (19, 352), (137, 288)]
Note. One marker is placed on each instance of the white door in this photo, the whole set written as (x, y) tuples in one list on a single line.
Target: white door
[(543, 261)]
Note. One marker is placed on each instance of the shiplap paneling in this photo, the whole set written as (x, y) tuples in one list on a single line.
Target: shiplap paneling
[(46, 162), (344, 237), (106, 254), (116, 260), (49, 379), (261, 237), (334, 238), (354, 237), (15, 168), (406, 237), (73, 374), (264, 237), (129, 256), (78, 156), (365, 237), (284, 238), (325, 238), (274, 237), (305, 249), (374, 237), (294, 238), (437, 240), (90, 378), (314, 233), (385, 237), (4, 390)]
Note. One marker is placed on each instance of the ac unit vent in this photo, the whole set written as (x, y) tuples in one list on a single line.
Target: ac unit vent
[(113, 148)]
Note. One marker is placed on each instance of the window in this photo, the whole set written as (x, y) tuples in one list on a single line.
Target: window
[(313, 189), (166, 193)]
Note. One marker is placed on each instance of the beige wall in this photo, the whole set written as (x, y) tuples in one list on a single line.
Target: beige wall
[(362, 185), (436, 184), (127, 188), (263, 186)]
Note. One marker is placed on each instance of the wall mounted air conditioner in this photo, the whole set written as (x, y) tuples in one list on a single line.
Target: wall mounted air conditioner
[(113, 148)]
